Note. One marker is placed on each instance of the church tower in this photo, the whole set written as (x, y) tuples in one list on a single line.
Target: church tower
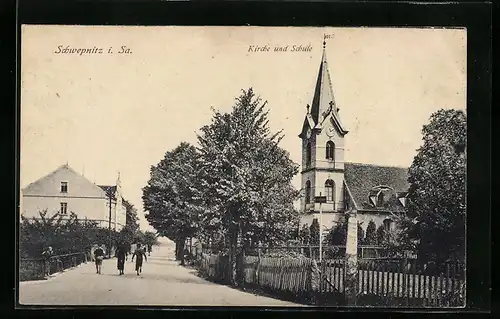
[(322, 151)]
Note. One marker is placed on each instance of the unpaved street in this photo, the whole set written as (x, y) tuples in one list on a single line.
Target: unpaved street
[(162, 283)]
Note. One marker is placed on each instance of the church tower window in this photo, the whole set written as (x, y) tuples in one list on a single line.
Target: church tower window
[(308, 155), (330, 150), (330, 190), (308, 192)]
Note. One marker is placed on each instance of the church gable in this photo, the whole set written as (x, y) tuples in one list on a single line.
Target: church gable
[(64, 181), (375, 187), (331, 121), (308, 124)]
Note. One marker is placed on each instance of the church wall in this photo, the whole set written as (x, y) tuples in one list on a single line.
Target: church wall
[(338, 178), (312, 178), (329, 220)]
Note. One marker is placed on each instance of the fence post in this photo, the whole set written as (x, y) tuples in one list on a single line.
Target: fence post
[(257, 269), (315, 279), (351, 260)]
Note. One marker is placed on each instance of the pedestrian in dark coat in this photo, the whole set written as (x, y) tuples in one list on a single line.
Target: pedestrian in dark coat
[(139, 253), (120, 255)]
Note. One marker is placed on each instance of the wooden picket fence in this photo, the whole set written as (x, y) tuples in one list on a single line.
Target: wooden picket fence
[(279, 274), (380, 283), (385, 284)]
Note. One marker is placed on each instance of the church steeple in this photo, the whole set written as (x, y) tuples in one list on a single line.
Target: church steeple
[(323, 102), (323, 93)]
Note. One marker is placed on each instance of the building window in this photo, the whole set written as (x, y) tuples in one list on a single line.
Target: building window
[(308, 192), (330, 150), (380, 199), (308, 155), (64, 208), (388, 224), (64, 187), (330, 190)]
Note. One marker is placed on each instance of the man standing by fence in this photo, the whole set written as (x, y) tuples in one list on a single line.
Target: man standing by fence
[(47, 255)]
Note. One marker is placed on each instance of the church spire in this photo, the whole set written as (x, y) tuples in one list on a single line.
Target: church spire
[(323, 99)]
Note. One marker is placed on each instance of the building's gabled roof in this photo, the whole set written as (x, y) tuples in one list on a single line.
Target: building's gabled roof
[(109, 190), (363, 178), (48, 184)]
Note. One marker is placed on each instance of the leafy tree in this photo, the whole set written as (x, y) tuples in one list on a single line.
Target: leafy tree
[(361, 235), (305, 235), (150, 238), (64, 234), (132, 220), (382, 235), (338, 234), (169, 196), (246, 178), (314, 232), (437, 188), (371, 235), (398, 241)]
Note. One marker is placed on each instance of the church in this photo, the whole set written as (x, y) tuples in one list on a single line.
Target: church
[(377, 193)]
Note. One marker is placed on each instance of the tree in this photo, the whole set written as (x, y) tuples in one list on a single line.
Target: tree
[(436, 197), (132, 220), (371, 235), (338, 234), (314, 232), (305, 235), (170, 198), (246, 178), (398, 241), (150, 238), (64, 234), (382, 235)]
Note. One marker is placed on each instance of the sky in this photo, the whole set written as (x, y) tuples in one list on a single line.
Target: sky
[(110, 112)]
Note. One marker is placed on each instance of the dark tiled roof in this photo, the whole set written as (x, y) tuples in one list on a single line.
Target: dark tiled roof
[(361, 178), (109, 190)]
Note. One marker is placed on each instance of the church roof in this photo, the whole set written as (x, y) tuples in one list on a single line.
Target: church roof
[(364, 180), (323, 102)]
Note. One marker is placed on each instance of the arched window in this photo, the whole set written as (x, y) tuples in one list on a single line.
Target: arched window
[(330, 190), (308, 154), (308, 192), (330, 150), (380, 199)]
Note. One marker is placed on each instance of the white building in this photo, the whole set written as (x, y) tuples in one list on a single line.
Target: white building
[(64, 191)]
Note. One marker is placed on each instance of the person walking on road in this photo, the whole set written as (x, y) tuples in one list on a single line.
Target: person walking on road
[(47, 254), (120, 255), (98, 256), (139, 253), (150, 248)]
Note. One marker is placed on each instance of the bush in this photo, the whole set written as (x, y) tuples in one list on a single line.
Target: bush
[(64, 235)]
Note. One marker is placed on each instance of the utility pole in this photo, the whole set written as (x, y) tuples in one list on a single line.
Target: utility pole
[(351, 258), (320, 199), (109, 225)]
